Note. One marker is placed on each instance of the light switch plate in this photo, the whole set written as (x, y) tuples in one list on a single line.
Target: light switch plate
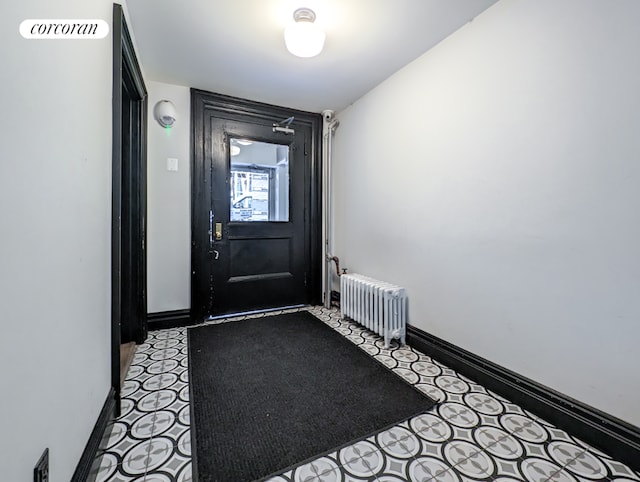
[(172, 164)]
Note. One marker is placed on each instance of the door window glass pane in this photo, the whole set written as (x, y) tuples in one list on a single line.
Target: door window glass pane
[(259, 181)]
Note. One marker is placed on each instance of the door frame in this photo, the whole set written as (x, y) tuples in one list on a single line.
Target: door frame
[(205, 104), (127, 74)]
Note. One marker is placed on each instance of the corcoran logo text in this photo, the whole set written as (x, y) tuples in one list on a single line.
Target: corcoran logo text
[(64, 29)]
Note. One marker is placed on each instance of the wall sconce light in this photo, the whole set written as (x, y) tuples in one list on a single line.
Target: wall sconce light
[(303, 37), (165, 113)]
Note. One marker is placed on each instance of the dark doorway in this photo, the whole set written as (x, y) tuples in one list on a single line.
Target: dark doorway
[(255, 206), (128, 270)]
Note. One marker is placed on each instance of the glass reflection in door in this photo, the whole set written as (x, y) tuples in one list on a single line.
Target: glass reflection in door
[(259, 181)]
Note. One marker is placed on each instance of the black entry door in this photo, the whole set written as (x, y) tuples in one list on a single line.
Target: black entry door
[(257, 217), (255, 211)]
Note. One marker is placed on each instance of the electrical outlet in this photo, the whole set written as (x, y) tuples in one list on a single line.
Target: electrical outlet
[(41, 470)]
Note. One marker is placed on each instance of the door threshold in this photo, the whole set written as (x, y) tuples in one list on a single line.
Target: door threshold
[(254, 312)]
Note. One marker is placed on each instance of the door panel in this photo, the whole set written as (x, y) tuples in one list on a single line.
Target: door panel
[(251, 260), (267, 209), (260, 260)]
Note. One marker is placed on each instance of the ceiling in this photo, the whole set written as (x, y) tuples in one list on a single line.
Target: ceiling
[(236, 47)]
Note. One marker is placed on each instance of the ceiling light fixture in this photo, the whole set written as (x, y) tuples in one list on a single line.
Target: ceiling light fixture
[(303, 37)]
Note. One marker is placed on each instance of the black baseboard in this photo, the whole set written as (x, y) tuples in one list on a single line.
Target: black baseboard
[(169, 319), (83, 469), (611, 435)]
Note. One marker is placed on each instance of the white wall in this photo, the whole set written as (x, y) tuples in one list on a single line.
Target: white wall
[(496, 178), (55, 213), (169, 201)]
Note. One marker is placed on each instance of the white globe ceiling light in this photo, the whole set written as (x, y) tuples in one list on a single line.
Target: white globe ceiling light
[(303, 37)]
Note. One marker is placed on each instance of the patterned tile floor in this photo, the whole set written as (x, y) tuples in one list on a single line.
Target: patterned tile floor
[(471, 435)]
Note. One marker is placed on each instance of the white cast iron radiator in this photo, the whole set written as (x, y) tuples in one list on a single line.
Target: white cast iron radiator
[(381, 307)]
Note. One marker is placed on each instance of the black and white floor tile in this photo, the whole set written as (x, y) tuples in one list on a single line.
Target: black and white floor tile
[(471, 435)]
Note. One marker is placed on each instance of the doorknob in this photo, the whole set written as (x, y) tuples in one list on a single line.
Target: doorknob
[(218, 234)]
